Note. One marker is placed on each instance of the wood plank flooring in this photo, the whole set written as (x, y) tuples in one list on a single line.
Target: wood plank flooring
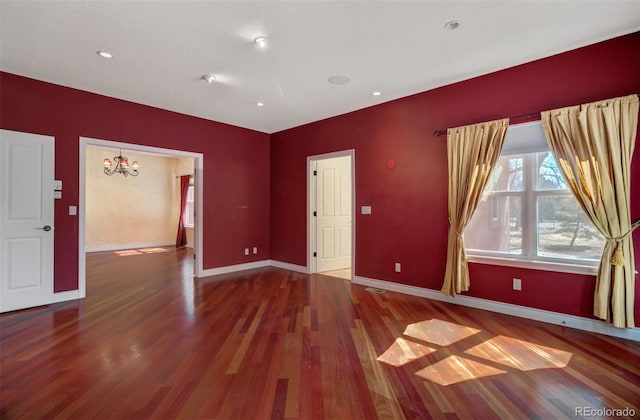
[(150, 342)]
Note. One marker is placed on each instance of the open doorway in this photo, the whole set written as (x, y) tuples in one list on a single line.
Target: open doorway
[(168, 164), (331, 198)]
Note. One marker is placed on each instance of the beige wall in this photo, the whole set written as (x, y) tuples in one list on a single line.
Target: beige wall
[(123, 211)]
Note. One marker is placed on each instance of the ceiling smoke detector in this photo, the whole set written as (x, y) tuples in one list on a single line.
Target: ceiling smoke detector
[(452, 25), (339, 80)]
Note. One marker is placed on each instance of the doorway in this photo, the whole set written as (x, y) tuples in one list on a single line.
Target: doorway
[(85, 145), (330, 216)]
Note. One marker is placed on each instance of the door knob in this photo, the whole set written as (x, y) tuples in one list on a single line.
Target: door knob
[(46, 228)]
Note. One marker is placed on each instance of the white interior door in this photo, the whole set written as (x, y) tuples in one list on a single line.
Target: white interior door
[(26, 220), (334, 219)]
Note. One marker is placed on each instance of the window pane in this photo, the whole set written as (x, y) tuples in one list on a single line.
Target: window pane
[(189, 215), (507, 174), (496, 225), (549, 175), (564, 231)]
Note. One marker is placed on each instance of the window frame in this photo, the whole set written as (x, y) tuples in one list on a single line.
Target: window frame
[(529, 196)]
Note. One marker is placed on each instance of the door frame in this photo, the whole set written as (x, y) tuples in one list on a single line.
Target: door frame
[(87, 142), (311, 202)]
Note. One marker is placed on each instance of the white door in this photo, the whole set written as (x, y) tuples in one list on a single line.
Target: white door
[(333, 206), (26, 220)]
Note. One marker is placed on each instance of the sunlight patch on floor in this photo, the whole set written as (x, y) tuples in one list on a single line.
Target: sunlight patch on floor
[(456, 369), (520, 354), (128, 252), (153, 250), (141, 251), (344, 273), (476, 361), (439, 332), (403, 351)]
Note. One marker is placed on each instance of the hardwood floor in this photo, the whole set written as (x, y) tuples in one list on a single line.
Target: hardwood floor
[(149, 342)]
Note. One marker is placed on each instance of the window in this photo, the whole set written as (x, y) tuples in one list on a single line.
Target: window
[(527, 211), (189, 214)]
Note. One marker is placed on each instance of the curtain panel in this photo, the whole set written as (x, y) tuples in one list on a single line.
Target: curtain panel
[(181, 237), (593, 145), (472, 153)]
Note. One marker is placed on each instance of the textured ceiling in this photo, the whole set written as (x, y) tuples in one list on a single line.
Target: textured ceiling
[(162, 48)]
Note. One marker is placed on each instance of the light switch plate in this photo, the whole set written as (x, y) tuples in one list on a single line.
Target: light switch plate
[(366, 210), (73, 210), (57, 185), (57, 194)]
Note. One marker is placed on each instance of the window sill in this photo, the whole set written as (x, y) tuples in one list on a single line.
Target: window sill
[(534, 265)]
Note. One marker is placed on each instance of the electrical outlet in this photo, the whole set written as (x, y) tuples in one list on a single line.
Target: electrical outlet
[(398, 268), (517, 284), (255, 250), (246, 251)]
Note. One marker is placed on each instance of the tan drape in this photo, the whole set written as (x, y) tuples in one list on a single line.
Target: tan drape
[(593, 144), (472, 151)]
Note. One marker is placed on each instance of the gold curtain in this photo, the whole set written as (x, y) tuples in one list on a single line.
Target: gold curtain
[(472, 152), (593, 144)]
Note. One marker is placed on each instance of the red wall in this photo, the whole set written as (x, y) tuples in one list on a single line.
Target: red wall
[(236, 164), (409, 203)]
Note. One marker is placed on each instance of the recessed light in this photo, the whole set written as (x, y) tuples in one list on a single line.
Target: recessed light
[(259, 104), (261, 42), (104, 54), (210, 78), (452, 25), (339, 80), (377, 93)]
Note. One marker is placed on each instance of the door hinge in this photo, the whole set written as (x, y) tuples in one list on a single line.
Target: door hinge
[(315, 254), (194, 256), (315, 214), (315, 173)]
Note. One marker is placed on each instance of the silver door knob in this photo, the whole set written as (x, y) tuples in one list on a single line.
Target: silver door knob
[(46, 228)]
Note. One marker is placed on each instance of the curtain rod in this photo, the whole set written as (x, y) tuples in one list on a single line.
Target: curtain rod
[(438, 133), (180, 176)]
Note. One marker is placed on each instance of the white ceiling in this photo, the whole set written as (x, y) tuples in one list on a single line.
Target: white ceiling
[(162, 48)]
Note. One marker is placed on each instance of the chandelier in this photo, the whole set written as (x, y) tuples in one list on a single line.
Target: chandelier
[(122, 166)]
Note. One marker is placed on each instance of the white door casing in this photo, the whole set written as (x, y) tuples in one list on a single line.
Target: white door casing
[(26, 220), (86, 142), (334, 215)]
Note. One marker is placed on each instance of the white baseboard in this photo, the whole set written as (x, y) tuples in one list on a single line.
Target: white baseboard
[(120, 247), (572, 321), (289, 266), (256, 264), (236, 267), (66, 296)]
